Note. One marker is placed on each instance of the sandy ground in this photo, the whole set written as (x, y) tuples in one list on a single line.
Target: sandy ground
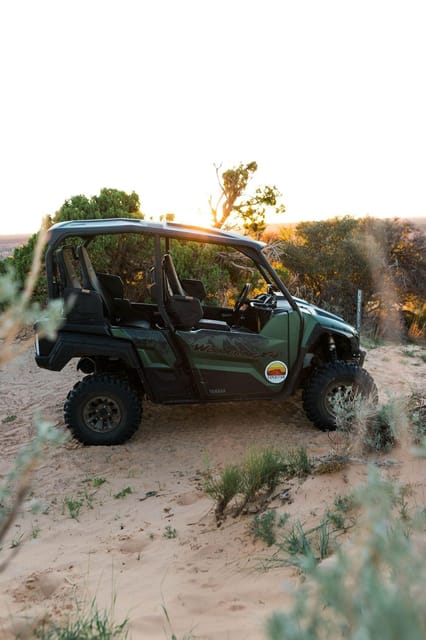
[(209, 579)]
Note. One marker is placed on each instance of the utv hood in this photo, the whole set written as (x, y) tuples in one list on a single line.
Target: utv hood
[(320, 316), (325, 318)]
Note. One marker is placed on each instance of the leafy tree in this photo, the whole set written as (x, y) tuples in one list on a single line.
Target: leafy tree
[(22, 260), (325, 264), (129, 255), (223, 271), (330, 259), (235, 206), (77, 208), (126, 255), (110, 203), (396, 251)]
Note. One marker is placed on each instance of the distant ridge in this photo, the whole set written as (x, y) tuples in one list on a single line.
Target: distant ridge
[(419, 222), (9, 242)]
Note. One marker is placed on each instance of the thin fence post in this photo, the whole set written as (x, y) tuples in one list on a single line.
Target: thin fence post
[(358, 310)]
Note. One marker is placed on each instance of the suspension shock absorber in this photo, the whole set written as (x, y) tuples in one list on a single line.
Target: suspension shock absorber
[(332, 348)]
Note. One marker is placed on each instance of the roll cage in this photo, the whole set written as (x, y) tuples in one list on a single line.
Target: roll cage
[(87, 230)]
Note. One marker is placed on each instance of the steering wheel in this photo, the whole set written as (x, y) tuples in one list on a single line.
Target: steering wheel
[(243, 297), (264, 301)]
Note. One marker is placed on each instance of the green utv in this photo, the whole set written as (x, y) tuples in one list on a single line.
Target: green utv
[(180, 314)]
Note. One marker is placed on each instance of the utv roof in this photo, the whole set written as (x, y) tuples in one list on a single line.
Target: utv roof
[(104, 226)]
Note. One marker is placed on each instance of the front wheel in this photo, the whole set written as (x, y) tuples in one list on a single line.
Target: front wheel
[(334, 387), (103, 409)]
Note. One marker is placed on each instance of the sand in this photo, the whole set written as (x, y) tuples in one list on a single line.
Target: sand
[(158, 546)]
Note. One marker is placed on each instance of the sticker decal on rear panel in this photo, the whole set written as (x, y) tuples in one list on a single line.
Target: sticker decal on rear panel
[(276, 372)]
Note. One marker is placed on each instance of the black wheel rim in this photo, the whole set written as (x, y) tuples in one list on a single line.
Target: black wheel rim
[(102, 414)]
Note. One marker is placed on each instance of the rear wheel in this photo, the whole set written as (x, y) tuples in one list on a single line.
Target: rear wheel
[(333, 387), (103, 409)]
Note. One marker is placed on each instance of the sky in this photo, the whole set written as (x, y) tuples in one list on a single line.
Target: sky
[(150, 96)]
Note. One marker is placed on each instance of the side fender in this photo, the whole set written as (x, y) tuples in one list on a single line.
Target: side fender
[(55, 355)]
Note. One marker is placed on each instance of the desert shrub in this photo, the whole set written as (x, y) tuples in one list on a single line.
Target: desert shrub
[(417, 413), (93, 625), (296, 463), (339, 514), (414, 317), (225, 487), (353, 410), (399, 418), (17, 310), (380, 432), (258, 474), (297, 544), (263, 527), (294, 544), (375, 591), (352, 415), (330, 260), (21, 261), (364, 426), (344, 503), (261, 469)]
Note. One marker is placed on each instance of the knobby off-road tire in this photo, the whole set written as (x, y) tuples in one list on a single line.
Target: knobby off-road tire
[(103, 409), (327, 383)]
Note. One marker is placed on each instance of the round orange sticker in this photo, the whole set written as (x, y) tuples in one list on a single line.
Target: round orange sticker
[(276, 372)]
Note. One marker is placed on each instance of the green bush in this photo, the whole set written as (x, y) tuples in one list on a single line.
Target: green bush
[(225, 487), (296, 463), (94, 625), (417, 413), (261, 469), (257, 475), (374, 592), (380, 432), (263, 527), (15, 311)]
